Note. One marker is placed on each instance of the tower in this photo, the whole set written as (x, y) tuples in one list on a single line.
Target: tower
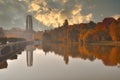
[(29, 23), (29, 35)]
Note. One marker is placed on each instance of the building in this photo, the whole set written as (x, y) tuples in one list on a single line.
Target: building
[(29, 23)]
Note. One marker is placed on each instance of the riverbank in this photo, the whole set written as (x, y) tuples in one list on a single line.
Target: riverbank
[(108, 43)]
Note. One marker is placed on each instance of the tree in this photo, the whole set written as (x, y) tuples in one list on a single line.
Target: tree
[(65, 24), (114, 30), (88, 36)]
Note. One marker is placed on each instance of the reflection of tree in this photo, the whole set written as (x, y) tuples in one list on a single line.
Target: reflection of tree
[(114, 56), (5, 57), (3, 64), (13, 57), (85, 53), (108, 54)]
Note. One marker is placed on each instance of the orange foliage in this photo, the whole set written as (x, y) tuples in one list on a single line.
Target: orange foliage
[(115, 30)]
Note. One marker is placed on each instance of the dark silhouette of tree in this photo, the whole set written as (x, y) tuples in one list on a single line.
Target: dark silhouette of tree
[(65, 23)]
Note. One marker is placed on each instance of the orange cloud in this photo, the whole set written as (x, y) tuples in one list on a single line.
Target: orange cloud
[(34, 7), (55, 16)]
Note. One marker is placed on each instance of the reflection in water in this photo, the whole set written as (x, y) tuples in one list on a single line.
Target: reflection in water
[(10, 51), (72, 54), (109, 55), (6, 53), (29, 55), (10, 56), (3, 64)]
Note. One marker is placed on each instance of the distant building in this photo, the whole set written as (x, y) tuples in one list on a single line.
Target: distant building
[(2, 34), (29, 23), (29, 28)]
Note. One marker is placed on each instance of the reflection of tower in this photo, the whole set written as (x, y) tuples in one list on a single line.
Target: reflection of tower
[(29, 56), (29, 24)]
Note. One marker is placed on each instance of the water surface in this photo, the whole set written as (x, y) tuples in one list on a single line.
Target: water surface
[(63, 62)]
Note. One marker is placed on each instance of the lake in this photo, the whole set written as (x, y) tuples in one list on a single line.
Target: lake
[(63, 62)]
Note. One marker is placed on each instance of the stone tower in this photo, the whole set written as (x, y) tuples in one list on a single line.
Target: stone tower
[(29, 23), (29, 35)]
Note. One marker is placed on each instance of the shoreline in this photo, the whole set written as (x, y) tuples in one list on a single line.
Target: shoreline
[(102, 43), (106, 43)]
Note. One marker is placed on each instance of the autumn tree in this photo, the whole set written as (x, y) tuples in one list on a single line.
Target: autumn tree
[(88, 36), (114, 30)]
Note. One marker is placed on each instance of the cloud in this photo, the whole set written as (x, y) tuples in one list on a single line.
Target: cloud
[(116, 16), (12, 13), (91, 7), (34, 7), (50, 13), (63, 1), (54, 12)]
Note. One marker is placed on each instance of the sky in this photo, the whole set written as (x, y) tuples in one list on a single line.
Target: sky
[(52, 13)]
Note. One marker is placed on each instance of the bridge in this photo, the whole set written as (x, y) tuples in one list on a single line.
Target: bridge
[(9, 49)]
